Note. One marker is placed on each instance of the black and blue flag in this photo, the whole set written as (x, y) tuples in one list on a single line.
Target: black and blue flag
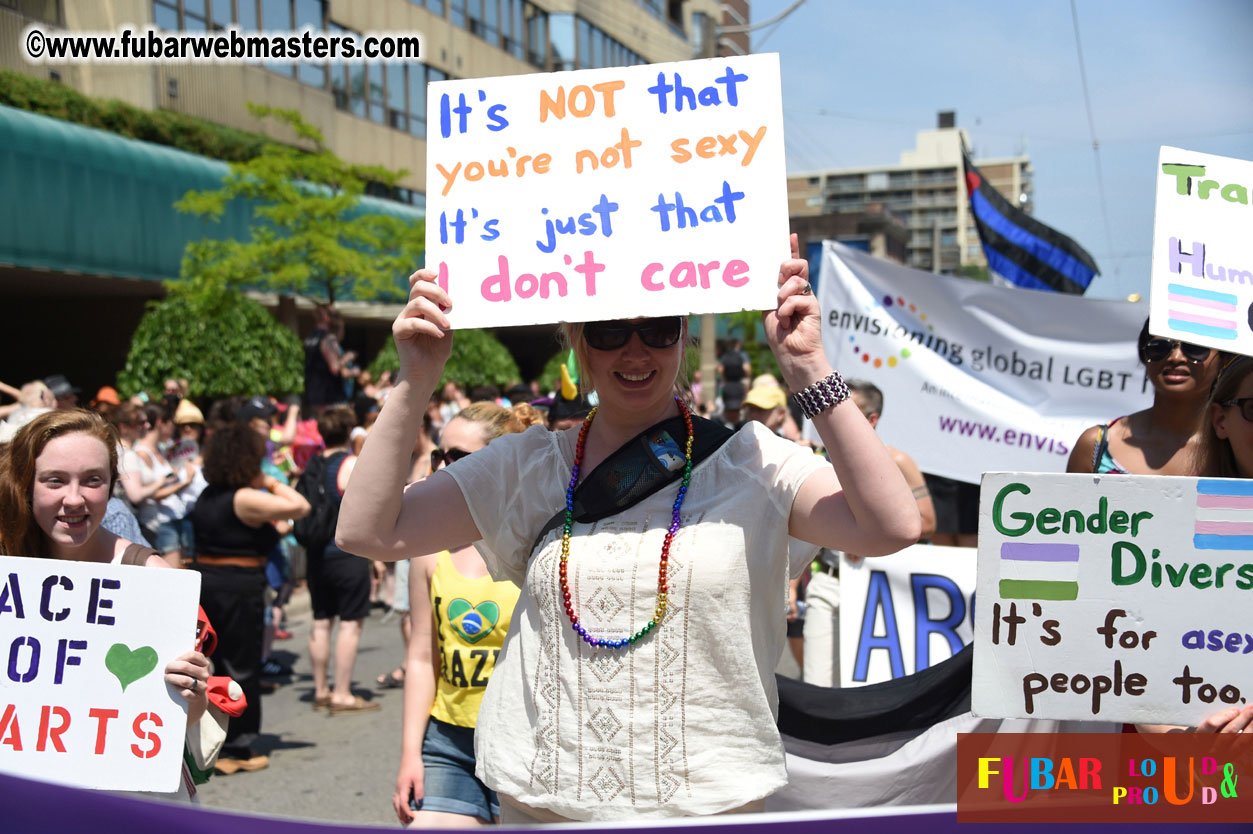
[(1022, 249)]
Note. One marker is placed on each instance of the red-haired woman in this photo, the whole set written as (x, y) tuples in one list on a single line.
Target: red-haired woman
[(55, 481)]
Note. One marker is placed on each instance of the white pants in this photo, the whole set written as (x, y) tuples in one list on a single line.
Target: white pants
[(822, 630)]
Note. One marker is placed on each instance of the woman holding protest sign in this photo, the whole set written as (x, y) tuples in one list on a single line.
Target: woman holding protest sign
[(56, 478), (652, 609), (1226, 451), (1164, 438)]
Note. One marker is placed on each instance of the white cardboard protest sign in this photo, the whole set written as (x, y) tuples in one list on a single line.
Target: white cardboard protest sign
[(83, 650), (977, 377), (1114, 598), (608, 193), (1202, 265), (903, 613)]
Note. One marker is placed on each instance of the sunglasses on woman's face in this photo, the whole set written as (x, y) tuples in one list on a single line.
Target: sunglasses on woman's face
[(1245, 404), (655, 333), (446, 457), (1157, 350)]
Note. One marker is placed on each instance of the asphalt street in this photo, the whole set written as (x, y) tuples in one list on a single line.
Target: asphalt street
[(329, 768)]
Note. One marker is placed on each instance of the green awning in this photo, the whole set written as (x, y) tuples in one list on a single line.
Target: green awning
[(77, 199)]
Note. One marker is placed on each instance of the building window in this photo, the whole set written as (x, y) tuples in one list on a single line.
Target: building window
[(484, 19), (165, 16), (536, 35), (220, 13), (309, 13), (48, 11), (397, 113), (276, 15), (513, 35), (195, 15), (561, 41), (457, 12)]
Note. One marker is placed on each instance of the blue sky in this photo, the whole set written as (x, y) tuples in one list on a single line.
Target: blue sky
[(861, 78)]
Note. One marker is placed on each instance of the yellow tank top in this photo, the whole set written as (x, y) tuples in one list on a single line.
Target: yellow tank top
[(471, 618)]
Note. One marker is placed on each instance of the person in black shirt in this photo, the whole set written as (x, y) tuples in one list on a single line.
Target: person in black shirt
[(327, 364)]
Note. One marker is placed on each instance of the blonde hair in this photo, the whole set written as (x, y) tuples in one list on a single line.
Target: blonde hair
[(570, 335), (497, 420)]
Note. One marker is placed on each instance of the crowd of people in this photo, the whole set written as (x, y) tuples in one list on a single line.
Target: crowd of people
[(615, 555)]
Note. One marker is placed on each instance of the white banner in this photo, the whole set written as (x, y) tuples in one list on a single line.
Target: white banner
[(977, 377), (1202, 288), (608, 193), (905, 612), (1114, 598), (83, 650)]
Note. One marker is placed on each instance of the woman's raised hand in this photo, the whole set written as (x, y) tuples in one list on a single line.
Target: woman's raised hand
[(422, 330), (794, 329)]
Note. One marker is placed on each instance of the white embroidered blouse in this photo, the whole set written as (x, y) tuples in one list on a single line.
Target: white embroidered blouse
[(683, 721)]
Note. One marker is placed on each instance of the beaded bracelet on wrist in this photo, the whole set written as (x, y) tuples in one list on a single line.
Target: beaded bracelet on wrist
[(826, 393)]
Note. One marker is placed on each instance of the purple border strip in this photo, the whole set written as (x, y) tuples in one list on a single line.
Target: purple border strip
[(1039, 552), (39, 807)]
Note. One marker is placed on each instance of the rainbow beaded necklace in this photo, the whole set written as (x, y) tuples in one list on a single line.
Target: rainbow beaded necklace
[(660, 611)]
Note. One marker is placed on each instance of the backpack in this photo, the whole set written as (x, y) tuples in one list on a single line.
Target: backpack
[(317, 530)]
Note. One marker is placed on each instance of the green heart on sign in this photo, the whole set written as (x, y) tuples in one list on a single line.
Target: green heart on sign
[(473, 622), (129, 666)]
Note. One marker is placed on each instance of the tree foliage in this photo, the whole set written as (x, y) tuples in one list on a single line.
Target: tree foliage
[(478, 358), (221, 342), (549, 378), (161, 127), (309, 236)]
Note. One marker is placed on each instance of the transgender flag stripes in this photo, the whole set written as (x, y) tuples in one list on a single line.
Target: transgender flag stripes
[(1020, 248), (1203, 312), (1224, 515)]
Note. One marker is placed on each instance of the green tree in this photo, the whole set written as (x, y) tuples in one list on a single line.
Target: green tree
[(309, 236), (220, 341), (478, 358), (974, 272), (549, 378)]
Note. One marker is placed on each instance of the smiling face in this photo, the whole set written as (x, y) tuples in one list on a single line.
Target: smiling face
[(71, 490), (635, 378)]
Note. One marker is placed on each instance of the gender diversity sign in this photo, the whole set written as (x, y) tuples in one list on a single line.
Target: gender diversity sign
[(1202, 266), (977, 377), (610, 193), (1113, 598), (83, 649), (903, 613)]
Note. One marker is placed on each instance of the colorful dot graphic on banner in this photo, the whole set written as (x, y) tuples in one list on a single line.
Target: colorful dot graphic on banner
[(904, 353), (1044, 571)]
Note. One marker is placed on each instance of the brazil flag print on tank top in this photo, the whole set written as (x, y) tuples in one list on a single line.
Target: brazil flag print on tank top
[(471, 617)]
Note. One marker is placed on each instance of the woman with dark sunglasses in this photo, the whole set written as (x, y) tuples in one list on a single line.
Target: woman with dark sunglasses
[(637, 678), (458, 619), (1164, 438), (1227, 445), (1226, 451)]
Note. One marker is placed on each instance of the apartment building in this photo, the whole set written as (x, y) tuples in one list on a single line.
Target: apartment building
[(926, 190)]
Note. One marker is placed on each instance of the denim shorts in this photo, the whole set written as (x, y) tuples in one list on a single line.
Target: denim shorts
[(175, 535), (448, 774)]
